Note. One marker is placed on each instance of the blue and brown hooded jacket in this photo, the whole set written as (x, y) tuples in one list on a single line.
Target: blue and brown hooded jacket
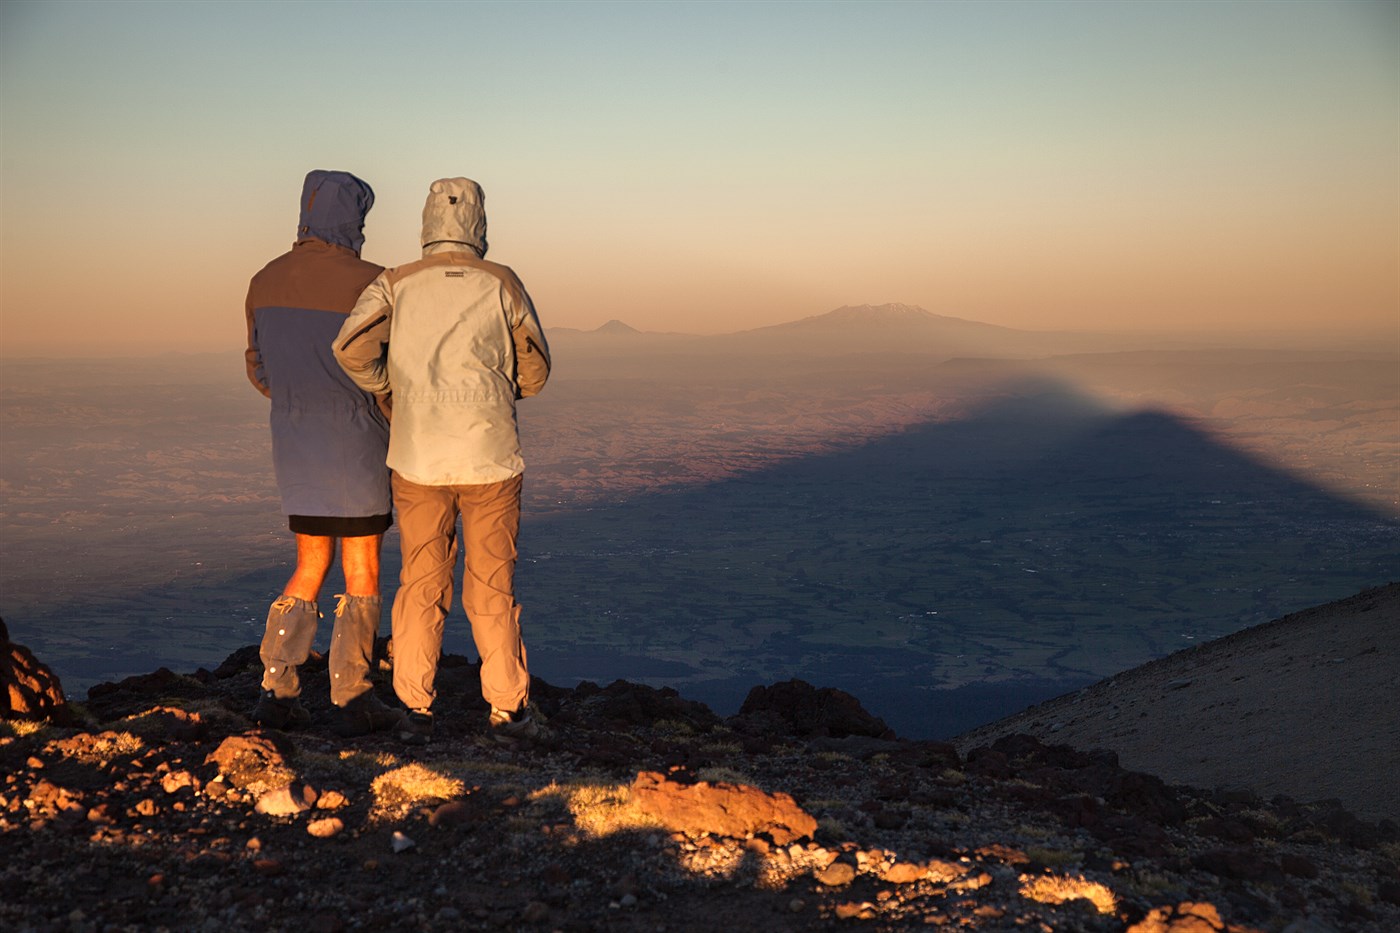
[(329, 437)]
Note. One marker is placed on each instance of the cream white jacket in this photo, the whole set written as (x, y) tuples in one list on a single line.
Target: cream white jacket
[(454, 341)]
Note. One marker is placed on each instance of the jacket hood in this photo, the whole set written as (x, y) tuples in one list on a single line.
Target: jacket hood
[(333, 208), (455, 213)]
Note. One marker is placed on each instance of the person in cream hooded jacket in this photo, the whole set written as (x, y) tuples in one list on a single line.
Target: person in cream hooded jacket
[(453, 340)]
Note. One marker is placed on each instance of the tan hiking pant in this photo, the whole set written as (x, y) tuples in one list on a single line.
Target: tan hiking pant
[(427, 517)]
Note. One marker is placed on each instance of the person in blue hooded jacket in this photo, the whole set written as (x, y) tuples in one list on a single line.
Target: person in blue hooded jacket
[(329, 443)]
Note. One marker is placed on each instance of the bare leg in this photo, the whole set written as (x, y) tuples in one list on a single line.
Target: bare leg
[(314, 556), (359, 559)]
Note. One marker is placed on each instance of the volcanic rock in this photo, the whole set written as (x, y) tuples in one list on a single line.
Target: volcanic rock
[(637, 704), (28, 688), (251, 758), (722, 809), (1186, 917), (805, 710)]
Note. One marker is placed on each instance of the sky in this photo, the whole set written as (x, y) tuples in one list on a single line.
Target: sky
[(1165, 167)]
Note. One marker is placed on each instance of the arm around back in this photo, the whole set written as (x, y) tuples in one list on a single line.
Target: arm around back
[(359, 348)]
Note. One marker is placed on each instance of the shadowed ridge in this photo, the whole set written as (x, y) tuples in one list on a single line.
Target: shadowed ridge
[(1302, 705)]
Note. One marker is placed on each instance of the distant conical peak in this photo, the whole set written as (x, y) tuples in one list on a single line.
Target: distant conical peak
[(617, 327)]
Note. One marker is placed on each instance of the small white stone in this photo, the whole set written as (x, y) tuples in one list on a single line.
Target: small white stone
[(400, 842)]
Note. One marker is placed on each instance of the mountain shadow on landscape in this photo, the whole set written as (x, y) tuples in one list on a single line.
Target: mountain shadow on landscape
[(949, 574)]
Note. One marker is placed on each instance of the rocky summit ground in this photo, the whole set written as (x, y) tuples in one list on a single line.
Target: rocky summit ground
[(160, 806)]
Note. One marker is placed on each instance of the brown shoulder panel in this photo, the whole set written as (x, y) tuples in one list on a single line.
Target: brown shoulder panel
[(315, 276)]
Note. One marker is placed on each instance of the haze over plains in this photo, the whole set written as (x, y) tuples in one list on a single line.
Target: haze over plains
[(1225, 170)]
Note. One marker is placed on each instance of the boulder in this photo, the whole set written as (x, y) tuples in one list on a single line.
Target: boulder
[(640, 705), (805, 710), (252, 759), (1186, 917), (721, 809), (28, 688)]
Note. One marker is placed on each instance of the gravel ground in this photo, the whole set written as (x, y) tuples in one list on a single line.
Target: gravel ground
[(164, 807)]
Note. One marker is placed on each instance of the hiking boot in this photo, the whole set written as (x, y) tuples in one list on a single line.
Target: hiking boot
[(363, 715), (280, 714), (416, 728), (514, 728)]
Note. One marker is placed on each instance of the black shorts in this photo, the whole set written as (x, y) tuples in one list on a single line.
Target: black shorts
[(333, 526)]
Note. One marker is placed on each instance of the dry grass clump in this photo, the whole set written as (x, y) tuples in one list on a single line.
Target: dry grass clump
[(99, 749), (1060, 889), (599, 809), (1053, 858), (357, 758), (674, 727), (21, 728), (724, 776), (723, 749), (346, 763), (1154, 884), (411, 784)]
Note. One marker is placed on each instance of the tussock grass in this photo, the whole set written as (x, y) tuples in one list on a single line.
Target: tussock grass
[(1053, 858), (413, 784), (1154, 884), (1264, 818), (21, 728), (674, 727), (824, 803), (356, 758), (1032, 831), (103, 748), (723, 749), (598, 809), (719, 775)]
